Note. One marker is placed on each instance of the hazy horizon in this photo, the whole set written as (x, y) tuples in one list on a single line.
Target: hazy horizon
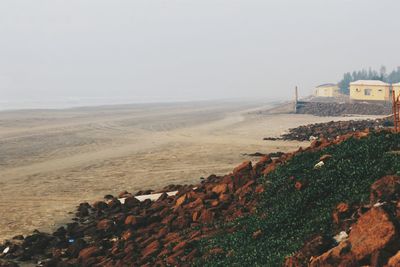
[(163, 51)]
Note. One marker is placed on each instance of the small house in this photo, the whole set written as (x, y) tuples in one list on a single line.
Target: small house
[(396, 88), (369, 90), (327, 90)]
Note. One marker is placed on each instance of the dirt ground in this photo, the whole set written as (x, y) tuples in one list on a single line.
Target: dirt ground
[(51, 160)]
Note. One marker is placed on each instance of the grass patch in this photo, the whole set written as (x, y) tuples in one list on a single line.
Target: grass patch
[(293, 216)]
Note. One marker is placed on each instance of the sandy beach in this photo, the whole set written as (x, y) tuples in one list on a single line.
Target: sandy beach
[(51, 160)]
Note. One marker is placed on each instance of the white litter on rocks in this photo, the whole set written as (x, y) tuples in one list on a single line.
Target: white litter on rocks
[(152, 197), (7, 249), (312, 138), (319, 165), (341, 236), (378, 204)]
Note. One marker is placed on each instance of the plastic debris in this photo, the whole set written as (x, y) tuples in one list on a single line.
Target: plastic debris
[(7, 249), (341, 236), (378, 204), (319, 165)]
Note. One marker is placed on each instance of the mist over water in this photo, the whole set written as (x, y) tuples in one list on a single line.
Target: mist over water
[(68, 53)]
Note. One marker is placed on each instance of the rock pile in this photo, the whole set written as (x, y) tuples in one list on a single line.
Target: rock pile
[(148, 233), (373, 238), (332, 129), (163, 232), (340, 109)]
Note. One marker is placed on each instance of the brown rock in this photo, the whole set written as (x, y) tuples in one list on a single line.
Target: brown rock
[(224, 197), (337, 256), (179, 246), (372, 232), (87, 253), (172, 237), (214, 203), (259, 189), (151, 249), (395, 260), (220, 189), (173, 259), (379, 258), (168, 219), (270, 168), (312, 248), (180, 200), (194, 204), (340, 212), (100, 205), (133, 220), (189, 257), (196, 216), (124, 194), (325, 157), (131, 202), (180, 223), (261, 164), (105, 224), (127, 234), (385, 189), (243, 168), (207, 216)]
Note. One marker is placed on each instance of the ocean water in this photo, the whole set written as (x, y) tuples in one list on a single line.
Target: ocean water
[(71, 102), (63, 103)]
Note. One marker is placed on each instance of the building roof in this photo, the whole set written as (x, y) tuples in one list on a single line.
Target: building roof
[(369, 82), (396, 84), (327, 85)]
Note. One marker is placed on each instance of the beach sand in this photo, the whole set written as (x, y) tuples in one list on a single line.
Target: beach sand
[(51, 160)]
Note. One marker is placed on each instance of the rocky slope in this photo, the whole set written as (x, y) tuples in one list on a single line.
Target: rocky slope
[(256, 215), (331, 130), (340, 109)]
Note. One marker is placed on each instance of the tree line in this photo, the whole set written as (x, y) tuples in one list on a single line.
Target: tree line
[(370, 74)]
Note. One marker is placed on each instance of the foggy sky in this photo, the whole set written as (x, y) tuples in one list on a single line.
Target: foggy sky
[(167, 50)]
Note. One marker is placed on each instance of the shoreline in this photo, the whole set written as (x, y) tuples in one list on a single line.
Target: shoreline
[(68, 158)]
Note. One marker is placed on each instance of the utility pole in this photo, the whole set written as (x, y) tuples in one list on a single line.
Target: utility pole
[(296, 99), (396, 111)]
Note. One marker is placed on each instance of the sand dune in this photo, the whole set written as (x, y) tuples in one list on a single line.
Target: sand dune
[(50, 160)]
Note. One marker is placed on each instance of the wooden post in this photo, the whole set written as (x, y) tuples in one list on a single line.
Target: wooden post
[(396, 105), (296, 98)]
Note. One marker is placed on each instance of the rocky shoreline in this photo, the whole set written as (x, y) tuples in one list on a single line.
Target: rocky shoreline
[(170, 230), (333, 129), (343, 109)]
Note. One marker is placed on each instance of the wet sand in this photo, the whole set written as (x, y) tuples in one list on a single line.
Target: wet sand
[(51, 160)]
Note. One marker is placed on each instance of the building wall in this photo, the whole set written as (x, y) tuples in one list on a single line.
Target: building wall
[(369, 92), (327, 91)]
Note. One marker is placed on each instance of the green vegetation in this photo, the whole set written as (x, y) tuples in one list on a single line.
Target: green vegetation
[(392, 77), (292, 216)]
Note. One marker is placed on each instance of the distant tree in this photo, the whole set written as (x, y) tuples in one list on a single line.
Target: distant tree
[(345, 82), (394, 76), (382, 73), (370, 74)]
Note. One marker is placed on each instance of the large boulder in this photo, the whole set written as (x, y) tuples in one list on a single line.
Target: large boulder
[(395, 260), (371, 234), (373, 231), (312, 248), (385, 189)]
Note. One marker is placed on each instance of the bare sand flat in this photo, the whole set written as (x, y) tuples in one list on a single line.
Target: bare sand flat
[(51, 160)]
